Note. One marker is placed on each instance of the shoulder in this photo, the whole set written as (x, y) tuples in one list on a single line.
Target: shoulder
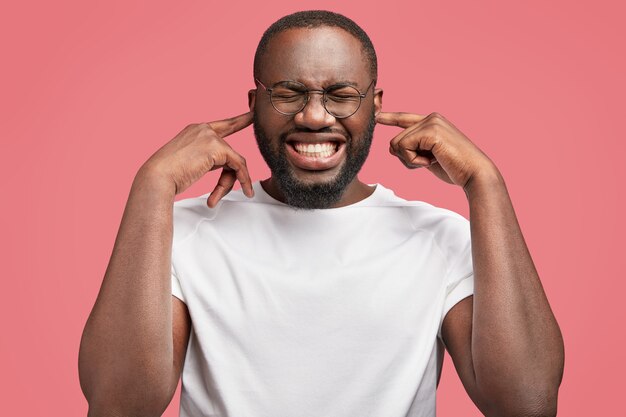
[(189, 213), (445, 225), (422, 215), (449, 229)]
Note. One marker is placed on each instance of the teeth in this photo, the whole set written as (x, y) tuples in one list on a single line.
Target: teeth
[(322, 150)]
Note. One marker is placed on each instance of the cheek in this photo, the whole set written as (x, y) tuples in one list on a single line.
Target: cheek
[(272, 122), (361, 119), (266, 132), (356, 127)]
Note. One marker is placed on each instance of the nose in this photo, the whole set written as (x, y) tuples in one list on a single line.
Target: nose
[(314, 116)]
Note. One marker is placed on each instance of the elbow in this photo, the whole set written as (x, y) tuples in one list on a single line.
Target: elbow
[(531, 395), (123, 398), (119, 390), (539, 409), (539, 403), (126, 406)]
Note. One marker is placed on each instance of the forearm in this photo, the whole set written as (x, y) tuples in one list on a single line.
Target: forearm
[(126, 352), (517, 348)]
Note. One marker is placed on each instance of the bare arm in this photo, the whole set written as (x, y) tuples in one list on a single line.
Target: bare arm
[(126, 354), (504, 341), (134, 341)]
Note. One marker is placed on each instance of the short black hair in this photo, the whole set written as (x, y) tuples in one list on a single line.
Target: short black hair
[(313, 19)]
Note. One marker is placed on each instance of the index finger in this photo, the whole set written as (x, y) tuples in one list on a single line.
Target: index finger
[(399, 119), (229, 126)]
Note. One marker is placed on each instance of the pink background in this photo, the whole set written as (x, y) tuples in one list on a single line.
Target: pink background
[(90, 91)]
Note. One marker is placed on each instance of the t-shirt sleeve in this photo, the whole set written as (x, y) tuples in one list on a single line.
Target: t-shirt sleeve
[(186, 215), (177, 290), (460, 274)]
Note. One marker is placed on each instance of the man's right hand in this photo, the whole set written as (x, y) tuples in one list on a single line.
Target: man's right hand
[(198, 149)]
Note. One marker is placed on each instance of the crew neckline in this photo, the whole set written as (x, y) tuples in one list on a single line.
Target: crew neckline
[(265, 197)]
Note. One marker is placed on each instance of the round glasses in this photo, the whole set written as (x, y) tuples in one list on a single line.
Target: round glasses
[(291, 97)]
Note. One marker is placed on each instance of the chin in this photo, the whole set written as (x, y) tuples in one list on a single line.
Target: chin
[(305, 177)]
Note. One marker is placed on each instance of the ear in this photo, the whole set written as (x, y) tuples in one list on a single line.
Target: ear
[(251, 99), (378, 100)]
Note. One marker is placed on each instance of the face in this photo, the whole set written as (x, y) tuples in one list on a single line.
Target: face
[(314, 157)]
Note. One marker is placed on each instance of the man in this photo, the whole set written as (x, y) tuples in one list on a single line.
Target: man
[(312, 293)]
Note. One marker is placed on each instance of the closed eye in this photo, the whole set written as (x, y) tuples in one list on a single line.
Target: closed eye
[(285, 96), (342, 98)]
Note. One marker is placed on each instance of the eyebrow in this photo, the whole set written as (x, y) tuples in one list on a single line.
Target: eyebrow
[(335, 83), (350, 83), (293, 84)]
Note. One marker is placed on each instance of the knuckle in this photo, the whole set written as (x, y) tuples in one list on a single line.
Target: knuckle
[(204, 127), (432, 131), (408, 156), (238, 159), (438, 119), (406, 143), (217, 144), (408, 164)]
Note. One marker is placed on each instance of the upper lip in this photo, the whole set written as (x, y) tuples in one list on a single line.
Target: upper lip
[(313, 138)]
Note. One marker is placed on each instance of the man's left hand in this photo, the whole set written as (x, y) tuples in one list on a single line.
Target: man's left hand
[(432, 141)]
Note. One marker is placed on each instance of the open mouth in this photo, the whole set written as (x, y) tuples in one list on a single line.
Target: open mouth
[(316, 156), (316, 150)]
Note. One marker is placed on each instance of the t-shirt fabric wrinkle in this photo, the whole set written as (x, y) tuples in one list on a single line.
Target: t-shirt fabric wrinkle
[(308, 313)]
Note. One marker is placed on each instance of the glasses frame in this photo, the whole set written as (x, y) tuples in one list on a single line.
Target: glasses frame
[(307, 92)]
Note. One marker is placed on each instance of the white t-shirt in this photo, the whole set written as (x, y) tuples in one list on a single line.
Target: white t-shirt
[(316, 313)]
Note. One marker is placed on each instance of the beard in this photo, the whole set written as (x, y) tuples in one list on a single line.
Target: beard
[(316, 195)]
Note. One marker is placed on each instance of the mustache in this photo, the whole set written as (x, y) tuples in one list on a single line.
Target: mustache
[(330, 130)]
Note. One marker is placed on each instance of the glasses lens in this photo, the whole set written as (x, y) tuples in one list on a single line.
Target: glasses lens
[(289, 97), (343, 101)]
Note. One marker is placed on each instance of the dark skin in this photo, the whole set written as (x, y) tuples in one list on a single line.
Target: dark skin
[(504, 340), (291, 59)]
